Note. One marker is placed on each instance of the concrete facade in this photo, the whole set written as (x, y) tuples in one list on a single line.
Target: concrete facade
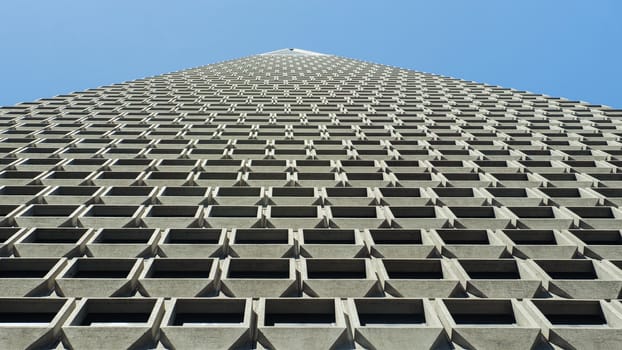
[(296, 200)]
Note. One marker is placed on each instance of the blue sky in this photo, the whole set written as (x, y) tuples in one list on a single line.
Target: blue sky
[(561, 48)]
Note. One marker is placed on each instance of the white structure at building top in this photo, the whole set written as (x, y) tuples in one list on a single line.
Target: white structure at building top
[(293, 52)]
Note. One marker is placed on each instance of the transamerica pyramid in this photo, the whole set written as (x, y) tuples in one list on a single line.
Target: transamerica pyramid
[(299, 200)]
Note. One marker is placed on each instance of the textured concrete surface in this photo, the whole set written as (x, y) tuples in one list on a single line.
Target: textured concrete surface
[(295, 200)]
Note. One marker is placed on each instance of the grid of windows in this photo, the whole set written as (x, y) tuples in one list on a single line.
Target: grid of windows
[(232, 204)]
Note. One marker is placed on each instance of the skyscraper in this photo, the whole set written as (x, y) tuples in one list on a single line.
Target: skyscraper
[(296, 200)]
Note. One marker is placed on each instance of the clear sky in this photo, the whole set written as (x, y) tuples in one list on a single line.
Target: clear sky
[(562, 48)]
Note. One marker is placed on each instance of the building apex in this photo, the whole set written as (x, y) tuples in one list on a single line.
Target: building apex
[(293, 52)]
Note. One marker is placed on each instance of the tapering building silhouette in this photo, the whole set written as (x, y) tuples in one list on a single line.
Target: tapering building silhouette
[(296, 200)]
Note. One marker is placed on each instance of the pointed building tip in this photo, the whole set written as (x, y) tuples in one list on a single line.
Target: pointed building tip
[(293, 52)]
